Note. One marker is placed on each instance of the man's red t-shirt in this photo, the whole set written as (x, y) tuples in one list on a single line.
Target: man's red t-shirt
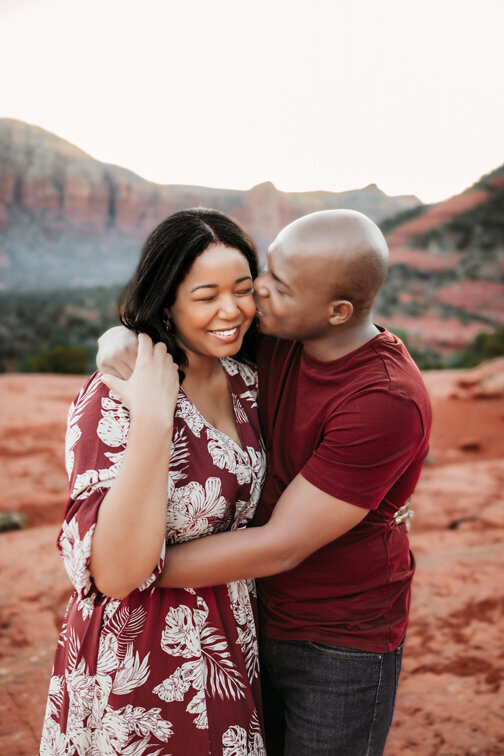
[(358, 429)]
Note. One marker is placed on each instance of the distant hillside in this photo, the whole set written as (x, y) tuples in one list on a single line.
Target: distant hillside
[(446, 281), (69, 220)]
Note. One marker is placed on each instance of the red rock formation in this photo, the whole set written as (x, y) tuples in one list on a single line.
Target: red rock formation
[(57, 188)]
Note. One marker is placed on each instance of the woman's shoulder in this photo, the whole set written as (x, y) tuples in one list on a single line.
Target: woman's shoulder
[(94, 396)]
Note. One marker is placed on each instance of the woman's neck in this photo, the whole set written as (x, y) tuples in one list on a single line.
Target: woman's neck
[(201, 369)]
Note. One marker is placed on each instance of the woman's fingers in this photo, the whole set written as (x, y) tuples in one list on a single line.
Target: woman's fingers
[(145, 347), (114, 383)]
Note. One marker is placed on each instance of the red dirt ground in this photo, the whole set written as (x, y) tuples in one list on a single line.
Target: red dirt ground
[(450, 693)]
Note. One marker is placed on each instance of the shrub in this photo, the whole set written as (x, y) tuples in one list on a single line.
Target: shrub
[(60, 359)]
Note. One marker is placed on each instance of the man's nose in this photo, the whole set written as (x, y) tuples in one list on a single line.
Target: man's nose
[(260, 286)]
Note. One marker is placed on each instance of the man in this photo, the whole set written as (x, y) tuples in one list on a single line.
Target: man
[(346, 419)]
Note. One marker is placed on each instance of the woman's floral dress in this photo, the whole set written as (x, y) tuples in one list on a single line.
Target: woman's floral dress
[(162, 671)]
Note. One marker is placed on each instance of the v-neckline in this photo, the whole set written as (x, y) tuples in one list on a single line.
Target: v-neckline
[(240, 448)]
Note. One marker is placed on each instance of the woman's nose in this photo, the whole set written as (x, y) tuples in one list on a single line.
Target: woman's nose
[(228, 307)]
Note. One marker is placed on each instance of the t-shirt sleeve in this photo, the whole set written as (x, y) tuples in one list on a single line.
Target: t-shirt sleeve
[(97, 432), (367, 445)]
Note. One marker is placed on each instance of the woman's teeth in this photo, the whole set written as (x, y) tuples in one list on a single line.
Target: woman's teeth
[(225, 333)]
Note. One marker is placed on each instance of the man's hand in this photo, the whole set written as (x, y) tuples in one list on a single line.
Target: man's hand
[(117, 352)]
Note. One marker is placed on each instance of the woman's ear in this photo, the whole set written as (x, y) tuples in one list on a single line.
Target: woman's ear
[(341, 310)]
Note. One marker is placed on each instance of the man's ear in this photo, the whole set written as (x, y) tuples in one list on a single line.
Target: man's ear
[(341, 310)]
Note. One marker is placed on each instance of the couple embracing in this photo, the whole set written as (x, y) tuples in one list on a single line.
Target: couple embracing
[(311, 432)]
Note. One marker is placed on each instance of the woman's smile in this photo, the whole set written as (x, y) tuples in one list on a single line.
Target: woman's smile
[(229, 335)]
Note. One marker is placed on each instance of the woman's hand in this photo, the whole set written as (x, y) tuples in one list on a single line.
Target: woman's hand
[(151, 391)]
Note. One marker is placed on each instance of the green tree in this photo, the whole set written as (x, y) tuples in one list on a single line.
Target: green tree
[(60, 359)]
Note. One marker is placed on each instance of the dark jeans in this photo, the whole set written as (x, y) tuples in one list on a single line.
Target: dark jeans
[(322, 700)]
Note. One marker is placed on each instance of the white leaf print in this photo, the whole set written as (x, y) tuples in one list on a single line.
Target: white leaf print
[(112, 736), (255, 739), (179, 455), (221, 451), (72, 436), (55, 697), (240, 414), (132, 673), (234, 741), (113, 428), (139, 747), (250, 397), (230, 365), (223, 677), (197, 706), (54, 742), (193, 509), (76, 554), (80, 685), (125, 625), (142, 722), (180, 636), (248, 374), (73, 649), (188, 412), (241, 607), (190, 674)]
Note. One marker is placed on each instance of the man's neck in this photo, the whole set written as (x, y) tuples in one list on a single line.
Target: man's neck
[(341, 342)]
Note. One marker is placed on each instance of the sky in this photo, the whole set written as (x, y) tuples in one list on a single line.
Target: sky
[(308, 94)]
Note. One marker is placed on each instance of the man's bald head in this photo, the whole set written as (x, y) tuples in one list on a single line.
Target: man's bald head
[(342, 251)]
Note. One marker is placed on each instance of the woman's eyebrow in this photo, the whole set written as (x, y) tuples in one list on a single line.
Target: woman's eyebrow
[(204, 286), (216, 286)]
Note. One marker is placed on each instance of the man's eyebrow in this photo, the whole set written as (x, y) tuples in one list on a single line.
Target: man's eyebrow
[(216, 286)]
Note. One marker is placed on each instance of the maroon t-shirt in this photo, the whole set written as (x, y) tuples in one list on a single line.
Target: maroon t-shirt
[(358, 429)]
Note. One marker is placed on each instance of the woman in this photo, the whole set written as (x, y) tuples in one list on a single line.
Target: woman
[(141, 669)]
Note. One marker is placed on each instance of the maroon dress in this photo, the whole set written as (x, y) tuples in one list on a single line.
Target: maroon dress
[(162, 671)]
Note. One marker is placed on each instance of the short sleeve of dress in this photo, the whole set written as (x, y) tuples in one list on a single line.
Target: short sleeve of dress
[(97, 433), (367, 445)]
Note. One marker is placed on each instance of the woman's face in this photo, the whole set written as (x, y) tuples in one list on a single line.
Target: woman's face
[(214, 306)]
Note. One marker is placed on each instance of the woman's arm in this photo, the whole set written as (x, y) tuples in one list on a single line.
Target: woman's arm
[(304, 519), (131, 524)]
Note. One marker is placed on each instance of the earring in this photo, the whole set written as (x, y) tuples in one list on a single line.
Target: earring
[(168, 325)]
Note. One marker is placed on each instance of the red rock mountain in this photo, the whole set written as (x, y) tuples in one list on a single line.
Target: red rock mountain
[(446, 280), (67, 219)]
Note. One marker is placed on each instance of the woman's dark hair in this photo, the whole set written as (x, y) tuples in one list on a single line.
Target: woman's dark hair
[(166, 258)]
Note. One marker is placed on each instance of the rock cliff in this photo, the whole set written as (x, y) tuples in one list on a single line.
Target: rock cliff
[(446, 280), (67, 219)]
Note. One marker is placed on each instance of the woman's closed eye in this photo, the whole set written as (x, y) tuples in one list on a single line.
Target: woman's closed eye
[(240, 293)]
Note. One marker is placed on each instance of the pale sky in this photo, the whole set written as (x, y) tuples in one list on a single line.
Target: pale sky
[(309, 94)]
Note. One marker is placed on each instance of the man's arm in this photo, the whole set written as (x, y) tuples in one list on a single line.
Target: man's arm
[(117, 352), (304, 519)]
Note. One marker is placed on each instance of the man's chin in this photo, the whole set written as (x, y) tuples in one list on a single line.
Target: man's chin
[(263, 327)]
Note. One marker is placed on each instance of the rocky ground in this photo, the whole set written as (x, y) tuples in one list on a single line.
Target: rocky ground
[(450, 693)]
